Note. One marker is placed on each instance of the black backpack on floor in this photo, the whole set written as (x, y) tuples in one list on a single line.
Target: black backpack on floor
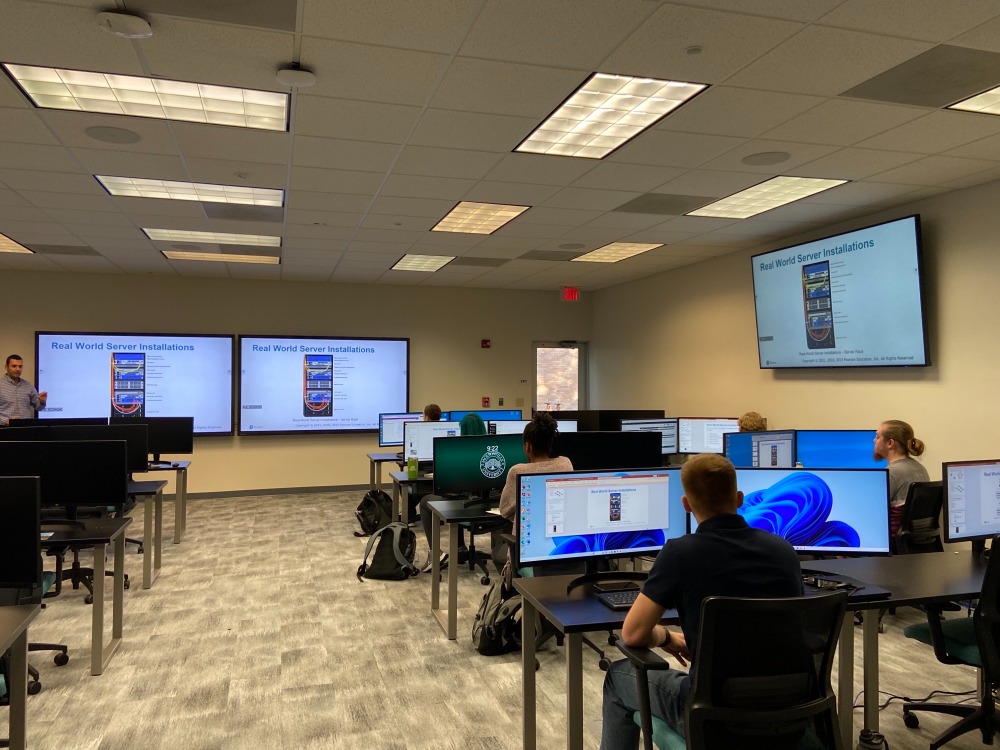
[(374, 512), (394, 547), (497, 627)]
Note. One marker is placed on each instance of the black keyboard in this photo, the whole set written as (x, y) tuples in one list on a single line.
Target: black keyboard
[(618, 599)]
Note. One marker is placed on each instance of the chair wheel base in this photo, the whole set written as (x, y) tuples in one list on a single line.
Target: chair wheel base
[(61, 660), (34, 687), (88, 599), (911, 721)]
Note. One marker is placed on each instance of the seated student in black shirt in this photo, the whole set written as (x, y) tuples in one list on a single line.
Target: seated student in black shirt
[(725, 557)]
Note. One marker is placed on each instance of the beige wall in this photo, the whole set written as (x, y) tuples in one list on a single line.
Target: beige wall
[(445, 326), (685, 341)]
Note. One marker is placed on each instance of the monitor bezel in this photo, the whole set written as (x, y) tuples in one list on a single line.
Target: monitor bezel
[(486, 486), (703, 419), (675, 420), (416, 417), (948, 538), (795, 455)]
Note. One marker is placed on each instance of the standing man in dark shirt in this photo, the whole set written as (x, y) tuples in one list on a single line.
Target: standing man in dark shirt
[(18, 397), (725, 557)]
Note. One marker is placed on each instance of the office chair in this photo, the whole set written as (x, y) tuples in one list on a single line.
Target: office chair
[(920, 527), (61, 658), (479, 558), (750, 697), (974, 641), (76, 574)]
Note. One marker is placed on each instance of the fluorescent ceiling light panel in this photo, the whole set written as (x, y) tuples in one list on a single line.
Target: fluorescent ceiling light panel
[(605, 113), (7, 245), (138, 187), (108, 93), (426, 263), (773, 193), (987, 103), (616, 251), (478, 218), (271, 260), (219, 238)]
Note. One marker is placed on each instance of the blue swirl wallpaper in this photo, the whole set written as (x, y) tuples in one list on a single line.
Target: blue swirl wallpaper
[(582, 544), (797, 508)]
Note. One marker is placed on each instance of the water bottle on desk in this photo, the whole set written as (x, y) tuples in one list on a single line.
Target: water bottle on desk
[(411, 467)]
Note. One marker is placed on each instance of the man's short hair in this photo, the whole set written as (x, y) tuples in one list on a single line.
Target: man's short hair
[(432, 412), (13, 356), (709, 482), (752, 422)]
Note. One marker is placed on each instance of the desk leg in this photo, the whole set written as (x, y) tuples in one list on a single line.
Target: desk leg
[(870, 651), (436, 573), (529, 619), (371, 474), (378, 475), (18, 692), (395, 500), (152, 541), (180, 505), (118, 595), (574, 691), (452, 582), (845, 680)]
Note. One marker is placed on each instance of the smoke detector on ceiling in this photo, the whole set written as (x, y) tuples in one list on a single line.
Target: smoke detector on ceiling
[(124, 25), (296, 77)]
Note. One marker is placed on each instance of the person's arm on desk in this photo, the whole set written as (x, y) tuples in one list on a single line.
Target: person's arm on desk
[(641, 629)]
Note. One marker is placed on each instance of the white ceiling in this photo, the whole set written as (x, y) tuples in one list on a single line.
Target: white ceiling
[(419, 105)]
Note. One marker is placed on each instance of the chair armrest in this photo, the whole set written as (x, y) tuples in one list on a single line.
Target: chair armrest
[(642, 658)]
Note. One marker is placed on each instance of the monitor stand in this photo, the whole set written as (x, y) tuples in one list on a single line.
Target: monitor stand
[(593, 575), (979, 550)]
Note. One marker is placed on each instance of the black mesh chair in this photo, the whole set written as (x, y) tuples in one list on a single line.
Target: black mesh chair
[(974, 641), (920, 526), (760, 679)]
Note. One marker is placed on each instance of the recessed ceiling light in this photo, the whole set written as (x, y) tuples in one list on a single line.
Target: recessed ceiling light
[(7, 245), (219, 238), (478, 218), (616, 251), (108, 134), (426, 263), (139, 187), (778, 191), (109, 93), (986, 103), (766, 157), (605, 113), (271, 260)]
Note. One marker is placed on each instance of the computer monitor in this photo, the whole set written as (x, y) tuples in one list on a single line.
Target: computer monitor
[(20, 523), (73, 473), (771, 448), (704, 434), (39, 422), (836, 449), (164, 434), (476, 464), (134, 434), (823, 511), (971, 500), (418, 438), (597, 451), (486, 414), (666, 427), (611, 419), (390, 427), (516, 426), (587, 420), (587, 515)]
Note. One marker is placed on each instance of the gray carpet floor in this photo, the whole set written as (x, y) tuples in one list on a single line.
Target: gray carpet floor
[(257, 634)]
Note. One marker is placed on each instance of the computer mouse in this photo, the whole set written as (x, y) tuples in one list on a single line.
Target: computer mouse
[(175, 464)]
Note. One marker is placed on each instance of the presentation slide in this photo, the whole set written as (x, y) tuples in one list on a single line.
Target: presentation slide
[(320, 384), (138, 375), (973, 492), (852, 300), (704, 434), (666, 427)]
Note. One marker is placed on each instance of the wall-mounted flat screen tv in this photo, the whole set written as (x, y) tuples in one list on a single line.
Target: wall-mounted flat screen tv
[(298, 385), (137, 375), (851, 300)]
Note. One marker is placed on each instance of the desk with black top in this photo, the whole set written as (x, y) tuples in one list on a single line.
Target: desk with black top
[(152, 527), (401, 480), (180, 468), (14, 623), (912, 579), (375, 461), (99, 533), (450, 512)]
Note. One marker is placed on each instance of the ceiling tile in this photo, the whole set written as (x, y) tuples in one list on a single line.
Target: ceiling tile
[(932, 171), (611, 176), (52, 182), (714, 183), (711, 112), (220, 172), (158, 207), (853, 164), (24, 126), (33, 156), (511, 193), (540, 169), (353, 120), (307, 201), (429, 207), (985, 36), (471, 130), (674, 149), (590, 200), (914, 19), (800, 154), (408, 186), (230, 144), (125, 164), (935, 132), (323, 218), (71, 128), (335, 181), (444, 162), (333, 153), (843, 122), (564, 216)]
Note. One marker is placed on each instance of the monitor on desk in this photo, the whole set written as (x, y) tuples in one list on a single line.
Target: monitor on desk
[(486, 414), (134, 434), (825, 511), (516, 426), (836, 449), (51, 421), (164, 434), (20, 543), (73, 473), (773, 448), (588, 515), (390, 427), (666, 427), (704, 434), (971, 500), (477, 464), (598, 451), (418, 438)]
